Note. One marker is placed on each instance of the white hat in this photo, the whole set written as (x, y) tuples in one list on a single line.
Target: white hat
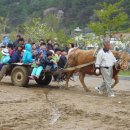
[(5, 51), (52, 51)]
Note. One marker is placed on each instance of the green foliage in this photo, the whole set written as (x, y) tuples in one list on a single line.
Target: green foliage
[(77, 12), (52, 22), (124, 73), (62, 37), (37, 30), (70, 40), (3, 24), (91, 39), (0, 55), (98, 28), (110, 18), (46, 29)]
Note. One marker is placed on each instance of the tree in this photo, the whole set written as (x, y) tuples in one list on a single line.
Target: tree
[(3, 24), (62, 37), (76, 12), (37, 30), (47, 29), (111, 17), (52, 22)]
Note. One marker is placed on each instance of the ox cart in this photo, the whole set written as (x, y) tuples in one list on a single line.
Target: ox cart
[(19, 73)]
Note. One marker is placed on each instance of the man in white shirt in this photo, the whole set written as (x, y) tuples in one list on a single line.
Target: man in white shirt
[(104, 62)]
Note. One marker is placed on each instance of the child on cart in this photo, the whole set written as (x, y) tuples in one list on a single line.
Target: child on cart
[(41, 63), (5, 57)]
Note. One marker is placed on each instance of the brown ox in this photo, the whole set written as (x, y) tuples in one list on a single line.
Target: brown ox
[(79, 57)]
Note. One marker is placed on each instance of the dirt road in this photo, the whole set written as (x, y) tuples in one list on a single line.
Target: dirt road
[(53, 108)]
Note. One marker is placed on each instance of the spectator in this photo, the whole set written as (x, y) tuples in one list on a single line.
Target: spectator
[(43, 49), (42, 41), (55, 59), (61, 63), (57, 54), (71, 48), (21, 42), (16, 41), (50, 45), (49, 62), (63, 59), (10, 49), (56, 45)]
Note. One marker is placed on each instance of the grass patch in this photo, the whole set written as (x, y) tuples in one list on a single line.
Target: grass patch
[(125, 73)]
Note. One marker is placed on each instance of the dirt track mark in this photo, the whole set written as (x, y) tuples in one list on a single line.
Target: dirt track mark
[(105, 119)]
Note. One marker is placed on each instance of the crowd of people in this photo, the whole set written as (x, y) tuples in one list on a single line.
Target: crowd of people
[(48, 56), (42, 56)]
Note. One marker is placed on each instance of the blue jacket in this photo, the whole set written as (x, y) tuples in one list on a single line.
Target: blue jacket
[(48, 62), (5, 59), (62, 61), (6, 40), (27, 56), (16, 57), (44, 62), (40, 50)]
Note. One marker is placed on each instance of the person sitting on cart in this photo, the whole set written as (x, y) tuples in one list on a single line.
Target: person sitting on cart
[(54, 59), (41, 63), (63, 59), (57, 54), (10, 49), (27, 55), (62, 63), (15, 58), (42, 48), (16, 55), (5, 57)]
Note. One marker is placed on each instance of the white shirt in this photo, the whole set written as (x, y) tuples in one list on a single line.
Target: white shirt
[(105, 59), (71, 49)]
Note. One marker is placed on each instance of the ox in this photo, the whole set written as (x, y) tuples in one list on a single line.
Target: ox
[(79, 57)]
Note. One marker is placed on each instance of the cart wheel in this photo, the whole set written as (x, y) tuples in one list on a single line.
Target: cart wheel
[(44, 80), (19, 76)]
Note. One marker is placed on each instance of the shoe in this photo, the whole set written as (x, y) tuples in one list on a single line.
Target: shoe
[(98, 90), (30, 77), (72, 78), (111, 95)]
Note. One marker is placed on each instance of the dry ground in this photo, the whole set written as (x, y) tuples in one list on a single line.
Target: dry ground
[(53, 108)]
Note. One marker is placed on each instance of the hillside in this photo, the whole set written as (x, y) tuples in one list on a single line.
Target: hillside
[(76, 12)]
